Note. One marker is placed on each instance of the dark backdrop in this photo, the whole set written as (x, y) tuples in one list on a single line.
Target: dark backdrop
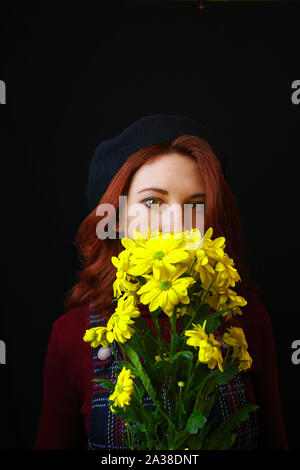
[(76, 75)]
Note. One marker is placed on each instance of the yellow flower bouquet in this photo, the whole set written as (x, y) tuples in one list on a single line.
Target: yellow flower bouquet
[(165, 387)]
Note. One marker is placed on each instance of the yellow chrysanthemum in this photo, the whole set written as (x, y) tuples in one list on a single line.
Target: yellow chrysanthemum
[(225, 300), (167, 291), (236, 339), (208, 256), (235, 298), (229, 299), (227, 275), (139, 238), (183, 310), (124, 388), (118, 326), (213, 248), (96, 336), (122, 261), (128, 244), (158, 253), (193, 240), (204, 268), (209, 348), (123, 282), (217, 269), (212, 300)]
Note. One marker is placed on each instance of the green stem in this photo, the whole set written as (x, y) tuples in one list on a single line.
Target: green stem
[(207, 291), (195, 313), (122, 350), (129, 436), (140, 404), (191, 375), (114, 353), (173, 331), (171, 431), (189, 324), (180, 401), (192, 265), (158, 330)]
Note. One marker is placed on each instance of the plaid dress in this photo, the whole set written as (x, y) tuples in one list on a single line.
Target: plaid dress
[(106, 429)]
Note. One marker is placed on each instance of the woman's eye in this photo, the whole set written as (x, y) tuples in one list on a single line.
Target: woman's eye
[(153, 202), (150, 202), (197, 206)]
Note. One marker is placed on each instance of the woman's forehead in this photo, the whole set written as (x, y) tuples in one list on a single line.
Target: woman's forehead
[(167, 171)]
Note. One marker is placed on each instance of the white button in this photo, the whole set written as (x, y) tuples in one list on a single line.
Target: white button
[(104, 353)]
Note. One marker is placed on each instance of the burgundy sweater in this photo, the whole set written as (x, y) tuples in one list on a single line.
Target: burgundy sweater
[(68, 372)]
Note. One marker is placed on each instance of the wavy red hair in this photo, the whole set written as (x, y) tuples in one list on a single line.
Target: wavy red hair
[(97, 273)]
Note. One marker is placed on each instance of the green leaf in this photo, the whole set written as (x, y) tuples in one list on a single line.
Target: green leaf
[(129, 366), (223, 377), (145, 328), (141, 373), (177, 342), (163, 366), (213, 320), (185, 354), (195, 422), (212, 324), (145, 380), (135, 343), (221, 437), (180, 438), (196, 442), (139, 388), (107, 384), (200, 313), (129, 414), (139, 428)]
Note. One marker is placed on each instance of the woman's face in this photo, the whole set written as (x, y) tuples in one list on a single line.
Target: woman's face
[(167, 194)]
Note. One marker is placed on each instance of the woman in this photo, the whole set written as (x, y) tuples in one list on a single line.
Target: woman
[(159, 162)]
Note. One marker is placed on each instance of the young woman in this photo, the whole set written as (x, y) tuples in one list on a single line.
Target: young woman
[(158, 162)]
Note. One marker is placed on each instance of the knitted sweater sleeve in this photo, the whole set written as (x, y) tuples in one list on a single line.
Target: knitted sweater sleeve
[(60, 426)]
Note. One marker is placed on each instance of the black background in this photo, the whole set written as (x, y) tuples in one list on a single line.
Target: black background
[(79, 73)]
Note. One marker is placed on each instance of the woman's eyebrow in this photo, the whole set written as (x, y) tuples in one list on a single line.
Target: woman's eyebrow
[(197, 195), (163, 191), (158, 190)]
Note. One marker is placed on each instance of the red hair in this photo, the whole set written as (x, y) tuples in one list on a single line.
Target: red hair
[(97, 273)]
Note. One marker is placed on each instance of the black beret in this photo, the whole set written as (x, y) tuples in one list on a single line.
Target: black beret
[(110, 155)]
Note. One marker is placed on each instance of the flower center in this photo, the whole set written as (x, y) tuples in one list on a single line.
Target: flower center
[(120, 388), (158, 255), (165, 285)]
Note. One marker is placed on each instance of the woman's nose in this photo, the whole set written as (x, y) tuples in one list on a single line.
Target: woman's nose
[(176, 217), (172, 219)]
